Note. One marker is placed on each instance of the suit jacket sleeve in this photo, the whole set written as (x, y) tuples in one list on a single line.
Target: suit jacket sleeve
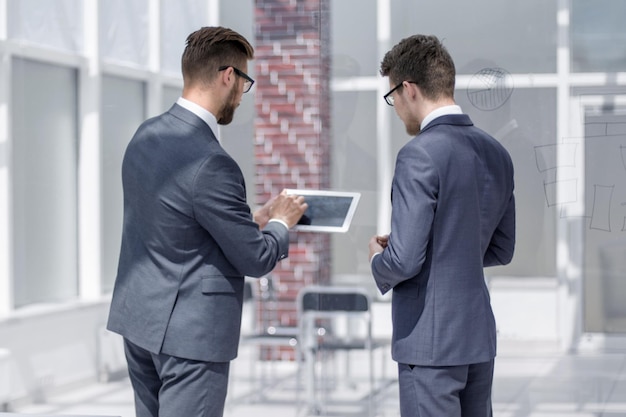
[(414, 192), (502, 244), (219, 204)]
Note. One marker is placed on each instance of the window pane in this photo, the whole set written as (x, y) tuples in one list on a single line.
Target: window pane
[(54, 23), (353, 39), (519, 36), (124, 34), (170, 95), (526, 125), (598, 36), (354, 168), (605, 221), (238, 137), (123, 110), (44, 108), (241, 19), (178, 20)]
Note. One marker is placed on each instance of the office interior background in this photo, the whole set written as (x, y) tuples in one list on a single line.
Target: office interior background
[(546, 78)]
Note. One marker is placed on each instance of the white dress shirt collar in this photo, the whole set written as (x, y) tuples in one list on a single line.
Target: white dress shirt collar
[(441, 111), (201, 112)]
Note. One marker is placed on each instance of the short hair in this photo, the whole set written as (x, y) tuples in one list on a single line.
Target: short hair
[(209, 48), (424, 60)]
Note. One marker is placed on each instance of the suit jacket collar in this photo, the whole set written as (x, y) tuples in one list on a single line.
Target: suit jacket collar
[(190, 118), (450, 119)]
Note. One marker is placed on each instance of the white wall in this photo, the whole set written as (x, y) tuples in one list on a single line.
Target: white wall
[(50, 349), (525, 308)]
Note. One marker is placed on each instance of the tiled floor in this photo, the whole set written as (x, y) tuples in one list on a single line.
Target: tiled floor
[(528, 383)]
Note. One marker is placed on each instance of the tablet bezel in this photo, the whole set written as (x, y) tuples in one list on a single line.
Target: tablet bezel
[(355, 196)]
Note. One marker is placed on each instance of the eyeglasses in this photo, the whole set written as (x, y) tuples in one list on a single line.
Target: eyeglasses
[(389, 98), (247, 84)]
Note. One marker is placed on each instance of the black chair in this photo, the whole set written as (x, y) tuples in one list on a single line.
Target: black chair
[(331, 320)]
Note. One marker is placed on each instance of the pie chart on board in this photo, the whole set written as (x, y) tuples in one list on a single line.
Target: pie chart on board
[(490, 88)]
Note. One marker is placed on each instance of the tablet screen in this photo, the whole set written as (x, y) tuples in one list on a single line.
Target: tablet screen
[(328, 211)]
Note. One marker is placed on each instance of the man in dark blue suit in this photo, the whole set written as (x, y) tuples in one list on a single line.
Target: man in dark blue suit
[(453, 213), (189, 238)]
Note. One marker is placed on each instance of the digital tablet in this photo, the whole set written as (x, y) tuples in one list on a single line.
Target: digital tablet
[(328, 211)]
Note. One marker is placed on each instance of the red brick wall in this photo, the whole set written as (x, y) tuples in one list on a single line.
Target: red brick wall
[(292, 132)]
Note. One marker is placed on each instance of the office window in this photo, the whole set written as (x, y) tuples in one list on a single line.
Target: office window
[(604, 221), (178, 20), (169, 97), (239, 135), (354, 168), (525, 124), (53, 23), (124, 32), (354, 55), (598, 36), (123, 110), (44, 130), (518, 36)]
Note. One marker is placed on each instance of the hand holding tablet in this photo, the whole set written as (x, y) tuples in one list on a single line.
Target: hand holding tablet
[(287, 208), (328, 211)]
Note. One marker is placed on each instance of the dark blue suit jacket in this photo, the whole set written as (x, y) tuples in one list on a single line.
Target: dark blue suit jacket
[(453, 213), (188, 241)]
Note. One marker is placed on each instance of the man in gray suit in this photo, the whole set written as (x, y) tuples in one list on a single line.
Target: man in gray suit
[(189, 238), (453, 213)]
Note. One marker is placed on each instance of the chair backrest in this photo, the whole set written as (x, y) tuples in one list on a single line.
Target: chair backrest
[(340, 305), (334, 301), (328, 301)]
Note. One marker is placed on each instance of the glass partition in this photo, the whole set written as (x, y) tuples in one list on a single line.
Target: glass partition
[(605, 219), (526, 125)]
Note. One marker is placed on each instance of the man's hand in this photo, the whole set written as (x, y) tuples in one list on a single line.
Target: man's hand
[(377, 244), (262, 215), (287, 208)]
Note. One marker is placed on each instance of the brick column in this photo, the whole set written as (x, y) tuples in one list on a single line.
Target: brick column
[(292, 132)]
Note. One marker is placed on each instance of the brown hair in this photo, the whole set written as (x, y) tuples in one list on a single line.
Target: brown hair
[(425, 61), (209, 48)]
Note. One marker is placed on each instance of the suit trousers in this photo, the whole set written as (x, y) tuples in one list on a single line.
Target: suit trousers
[(451, 391), (167, 386)]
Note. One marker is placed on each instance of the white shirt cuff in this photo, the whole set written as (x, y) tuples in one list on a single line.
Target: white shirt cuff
[(279, 221), (374, 255)]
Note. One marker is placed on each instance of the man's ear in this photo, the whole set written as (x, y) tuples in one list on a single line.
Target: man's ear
[(227, 75), (412, 90)]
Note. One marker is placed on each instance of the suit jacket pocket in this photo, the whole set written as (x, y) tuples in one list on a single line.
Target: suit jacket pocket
[(221, 284)]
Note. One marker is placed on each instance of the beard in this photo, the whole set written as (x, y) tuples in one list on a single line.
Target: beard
[(228, 111), (413, 130), (412, 127)]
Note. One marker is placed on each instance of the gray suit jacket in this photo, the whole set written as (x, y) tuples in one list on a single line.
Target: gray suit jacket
[(188, 241), (453, 213)]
